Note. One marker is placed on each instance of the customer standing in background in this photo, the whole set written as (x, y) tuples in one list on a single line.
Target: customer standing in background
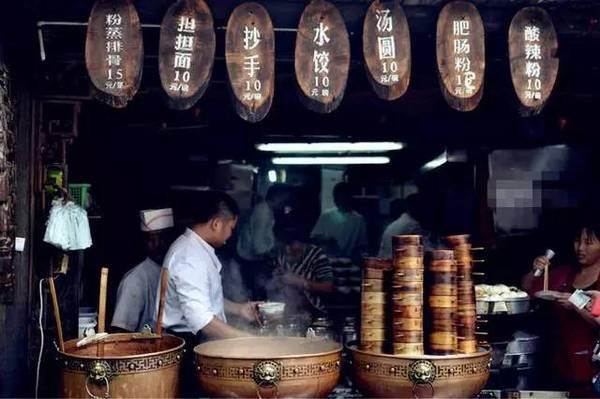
[(256, 240), (341, 231)]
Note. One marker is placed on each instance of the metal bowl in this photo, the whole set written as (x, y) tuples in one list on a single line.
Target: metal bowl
[(262, 367), (389, 376)]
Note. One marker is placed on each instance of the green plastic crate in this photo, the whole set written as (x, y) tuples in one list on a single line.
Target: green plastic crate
[(80, 194)]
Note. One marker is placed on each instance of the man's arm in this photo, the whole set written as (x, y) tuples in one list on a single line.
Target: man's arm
[(220, 330)]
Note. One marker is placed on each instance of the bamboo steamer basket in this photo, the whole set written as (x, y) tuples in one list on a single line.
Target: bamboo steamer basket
[(443, 342), (377, 263), (443, 266), (268, 367), (132, 367), (408, 251), (372, 346), (374, 274), (404, 376), (408, 312), (447, 301), (372, 322), (402, 348), (443, 290), (407, 275), (404, 299), (372, 334), (373, 298), (467, 345), (413, 262), (457, 240), (408, 287), (408, 337), (406, 239), (407, 325), (373, 285), (373, 310)]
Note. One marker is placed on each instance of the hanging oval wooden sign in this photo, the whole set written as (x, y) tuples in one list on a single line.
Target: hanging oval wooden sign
[(533, 53), (114, 51), (186, 52), (386, 49), (322, 56), (250, 58), (460, 47)]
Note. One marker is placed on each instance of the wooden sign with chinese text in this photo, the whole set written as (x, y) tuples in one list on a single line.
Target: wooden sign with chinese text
[(461, 55), (114, 51), (386, 49), (186, 52), (533, 49), (250, 58), (322, 56)]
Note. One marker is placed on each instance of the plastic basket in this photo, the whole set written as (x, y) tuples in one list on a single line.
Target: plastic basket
[(80, 194)]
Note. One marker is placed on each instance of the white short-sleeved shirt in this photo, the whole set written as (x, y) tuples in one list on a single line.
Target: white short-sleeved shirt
[(194, 292), (136, 297), (348, 229)]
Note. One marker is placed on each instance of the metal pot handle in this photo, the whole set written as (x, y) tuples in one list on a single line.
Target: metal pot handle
[(415, 394), (91, 395), (273, 386)]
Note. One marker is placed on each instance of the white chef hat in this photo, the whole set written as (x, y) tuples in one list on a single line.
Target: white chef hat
[(156, 219)]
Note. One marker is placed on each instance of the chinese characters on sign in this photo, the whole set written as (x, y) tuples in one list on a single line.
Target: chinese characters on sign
[(114, 48), (320, 60), (386, 46), (182, 59), (533, 56), (465, 77), (252, 64)]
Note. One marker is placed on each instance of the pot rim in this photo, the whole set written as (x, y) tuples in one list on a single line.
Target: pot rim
[(262, 357), (480, 353), (121, 335)]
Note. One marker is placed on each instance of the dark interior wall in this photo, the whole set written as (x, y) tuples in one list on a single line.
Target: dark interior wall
[(15, 317)]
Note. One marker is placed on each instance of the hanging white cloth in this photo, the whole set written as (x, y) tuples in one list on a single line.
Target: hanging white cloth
[(68, 227)]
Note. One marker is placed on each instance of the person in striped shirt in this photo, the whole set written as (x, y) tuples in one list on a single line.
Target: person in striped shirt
[(302, 274)]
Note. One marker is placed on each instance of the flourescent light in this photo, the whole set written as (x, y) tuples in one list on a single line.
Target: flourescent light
[(331, 160), (438, 161), (331, 147), (272, 176)]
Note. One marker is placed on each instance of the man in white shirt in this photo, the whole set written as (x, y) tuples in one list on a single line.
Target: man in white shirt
[(194, 302), (136, 296), (408, 223), (341, 231)]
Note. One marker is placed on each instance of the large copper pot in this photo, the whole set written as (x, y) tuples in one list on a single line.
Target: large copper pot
[(265, 367), (391, 376), (131, 367)]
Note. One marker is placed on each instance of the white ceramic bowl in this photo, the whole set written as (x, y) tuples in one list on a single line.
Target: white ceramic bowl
[(271, 309)]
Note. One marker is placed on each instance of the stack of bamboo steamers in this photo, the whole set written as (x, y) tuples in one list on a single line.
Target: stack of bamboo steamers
[(466, 311), (373, 304), (407, 295), (445, 296)]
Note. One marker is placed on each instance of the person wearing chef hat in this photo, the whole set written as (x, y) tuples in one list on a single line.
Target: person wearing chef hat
[(136, 295)]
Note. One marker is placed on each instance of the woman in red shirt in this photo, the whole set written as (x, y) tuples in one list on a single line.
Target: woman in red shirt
[(575, 330)]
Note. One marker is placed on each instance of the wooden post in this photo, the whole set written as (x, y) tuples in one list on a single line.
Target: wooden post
[(59, 331), (533, 53), (322, 56), (186, 52), (386, 49), (102, 308), (461, 55), (114, 51)]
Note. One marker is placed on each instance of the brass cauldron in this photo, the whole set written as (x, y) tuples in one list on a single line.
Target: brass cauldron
[(391, 376), (131, 367), (268, 367)]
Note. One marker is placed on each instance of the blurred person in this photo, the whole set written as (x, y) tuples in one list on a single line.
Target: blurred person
[(341, 230), (136, 295)]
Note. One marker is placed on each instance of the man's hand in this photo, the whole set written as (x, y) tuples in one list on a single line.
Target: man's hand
[(541, 262), (249, 312)]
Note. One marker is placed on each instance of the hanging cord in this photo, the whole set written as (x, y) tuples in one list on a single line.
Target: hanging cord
[(39, 362)]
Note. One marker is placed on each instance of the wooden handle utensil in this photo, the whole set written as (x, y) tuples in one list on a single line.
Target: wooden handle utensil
[(102, 308), (59, 331), (164, 279)]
